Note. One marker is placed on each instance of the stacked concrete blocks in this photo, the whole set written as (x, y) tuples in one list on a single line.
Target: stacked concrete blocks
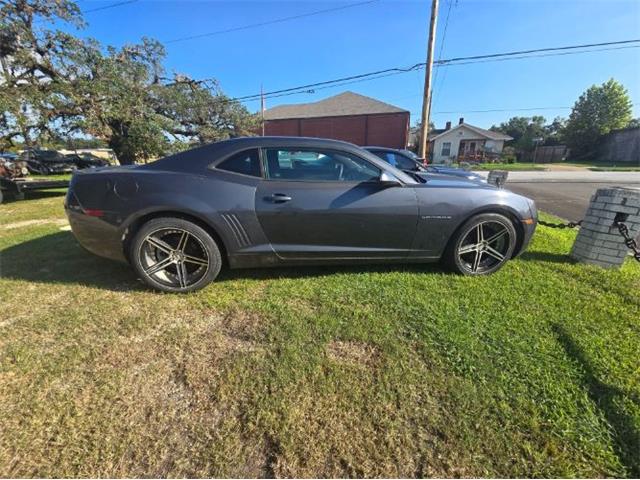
[(599, 242)]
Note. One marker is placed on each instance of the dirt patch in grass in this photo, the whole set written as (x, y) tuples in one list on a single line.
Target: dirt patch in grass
[(31, 223), (243, 326), (349, 351)]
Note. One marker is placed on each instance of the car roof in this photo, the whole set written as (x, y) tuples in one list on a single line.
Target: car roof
[(202, 156), (386, 149), (274, 141)]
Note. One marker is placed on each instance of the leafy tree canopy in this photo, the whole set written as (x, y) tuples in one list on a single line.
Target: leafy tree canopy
[(599, 110), (54, 85), (526, 131)]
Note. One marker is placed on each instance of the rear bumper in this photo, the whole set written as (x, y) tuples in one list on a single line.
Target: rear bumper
[(96, 235)]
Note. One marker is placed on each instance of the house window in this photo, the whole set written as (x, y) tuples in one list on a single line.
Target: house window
[(446, 149)]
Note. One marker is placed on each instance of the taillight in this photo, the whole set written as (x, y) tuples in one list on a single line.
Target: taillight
[(92, 212)]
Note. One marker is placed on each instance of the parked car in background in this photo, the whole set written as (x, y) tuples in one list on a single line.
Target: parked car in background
[(46, 162), (92, 157), (87, 160), (269, 201), (408, 161)]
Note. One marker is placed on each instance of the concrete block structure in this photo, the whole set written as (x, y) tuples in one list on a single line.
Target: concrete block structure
[(599, 242)]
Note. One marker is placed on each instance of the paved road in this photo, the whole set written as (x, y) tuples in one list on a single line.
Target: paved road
[(567, 193), (566, 200)]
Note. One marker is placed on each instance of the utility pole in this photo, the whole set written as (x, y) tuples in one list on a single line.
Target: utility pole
[(262, 108), (426, 101)]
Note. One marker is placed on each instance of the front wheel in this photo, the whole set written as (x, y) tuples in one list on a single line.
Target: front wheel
[(482, 245), (175, 255)]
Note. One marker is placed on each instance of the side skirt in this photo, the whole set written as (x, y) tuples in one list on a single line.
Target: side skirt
[(267, 260)]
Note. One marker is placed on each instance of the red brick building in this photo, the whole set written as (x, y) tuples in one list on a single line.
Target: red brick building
[(348, 116)]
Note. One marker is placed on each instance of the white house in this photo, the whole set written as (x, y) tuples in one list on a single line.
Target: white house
[(465, 141)]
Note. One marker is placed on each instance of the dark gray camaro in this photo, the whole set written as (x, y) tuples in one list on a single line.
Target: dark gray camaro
[(266, 201)]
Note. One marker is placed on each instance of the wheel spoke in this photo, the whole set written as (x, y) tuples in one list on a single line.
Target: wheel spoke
[(497, 236), (479, 233), (159, 244), (182, 243), (182, 274), (196, 260), (467, 249), (161, 265), (476, 261), (494, 253)]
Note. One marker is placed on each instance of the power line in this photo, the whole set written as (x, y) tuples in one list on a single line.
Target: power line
[(552, 54), (337, 80), (113, 5), (566, 50), (311, 87), (490, 110), (269, 22), (97, 9), (444, 38), (537, 50), (528, 109)]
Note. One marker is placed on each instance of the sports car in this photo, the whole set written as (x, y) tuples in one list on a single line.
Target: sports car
[(269, 201), (409, 162)]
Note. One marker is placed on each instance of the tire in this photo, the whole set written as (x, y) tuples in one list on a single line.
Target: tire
[(482, 245), (174, 255)]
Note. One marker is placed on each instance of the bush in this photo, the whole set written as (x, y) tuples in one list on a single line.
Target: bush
[(508, 158)]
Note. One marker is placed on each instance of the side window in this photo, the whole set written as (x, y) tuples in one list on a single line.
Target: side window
[(446, 149), (246, 163), (318, 166)]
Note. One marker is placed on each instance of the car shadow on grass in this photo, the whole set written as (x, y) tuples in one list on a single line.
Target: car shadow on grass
[(626, 438), (288, 272), (58, 258)]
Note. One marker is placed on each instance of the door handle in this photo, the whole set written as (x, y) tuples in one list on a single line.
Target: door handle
[(280, 198)]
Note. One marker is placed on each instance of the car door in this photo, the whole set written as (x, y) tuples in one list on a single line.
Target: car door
[(318, 203)]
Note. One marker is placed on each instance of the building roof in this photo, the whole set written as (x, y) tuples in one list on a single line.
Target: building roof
[(480, 131), (347, 103)]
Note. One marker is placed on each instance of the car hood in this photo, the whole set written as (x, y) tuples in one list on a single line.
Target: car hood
[(450, 180)]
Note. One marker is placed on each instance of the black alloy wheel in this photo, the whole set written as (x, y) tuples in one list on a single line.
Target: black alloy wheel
[(175, 255)]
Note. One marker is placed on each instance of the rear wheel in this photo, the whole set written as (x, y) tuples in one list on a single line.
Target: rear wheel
[(175, 255), (482, 245)]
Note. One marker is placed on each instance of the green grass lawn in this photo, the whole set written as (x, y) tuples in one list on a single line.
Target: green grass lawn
[(614, 168), (512, 167), (378, 371)]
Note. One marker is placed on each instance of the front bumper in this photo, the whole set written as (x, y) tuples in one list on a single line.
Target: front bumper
[(529, 228), (60, 167)]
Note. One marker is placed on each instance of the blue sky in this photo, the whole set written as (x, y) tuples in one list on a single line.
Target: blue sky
[(389, 33)]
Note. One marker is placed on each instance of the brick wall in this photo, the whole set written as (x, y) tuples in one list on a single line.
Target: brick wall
[(384, 130)]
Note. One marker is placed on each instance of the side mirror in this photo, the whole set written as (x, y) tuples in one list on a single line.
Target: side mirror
[(389, 181)]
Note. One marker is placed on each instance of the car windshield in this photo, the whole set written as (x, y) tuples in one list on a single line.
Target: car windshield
[(49, 155), (411, 154)]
